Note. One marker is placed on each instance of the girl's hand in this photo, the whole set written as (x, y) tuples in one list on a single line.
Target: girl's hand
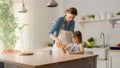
[(71, 52)]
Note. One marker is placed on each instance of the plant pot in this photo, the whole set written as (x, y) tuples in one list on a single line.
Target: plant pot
[(90, 44)]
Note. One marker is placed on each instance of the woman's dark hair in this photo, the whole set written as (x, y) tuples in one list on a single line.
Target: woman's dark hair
[(79, 35), (72, 10)]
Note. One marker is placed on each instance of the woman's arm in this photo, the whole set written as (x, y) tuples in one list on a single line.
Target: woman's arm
[(58, 42), (55, 27)]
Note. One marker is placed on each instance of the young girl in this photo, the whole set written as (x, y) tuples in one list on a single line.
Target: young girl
[(76, 46)]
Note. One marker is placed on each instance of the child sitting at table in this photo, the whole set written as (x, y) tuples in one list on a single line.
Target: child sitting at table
[(76, 46)]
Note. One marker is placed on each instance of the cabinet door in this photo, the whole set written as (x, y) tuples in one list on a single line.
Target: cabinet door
[(101, 63), (114, 60)]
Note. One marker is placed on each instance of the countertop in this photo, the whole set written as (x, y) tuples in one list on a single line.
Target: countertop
[(110, 50), (41, 58)]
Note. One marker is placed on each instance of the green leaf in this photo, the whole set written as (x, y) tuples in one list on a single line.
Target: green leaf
[(118, 13), (8, 25), (90, 39), (91, 16)]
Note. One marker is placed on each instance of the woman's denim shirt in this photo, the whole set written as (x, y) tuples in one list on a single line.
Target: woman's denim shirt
[(61, 23)]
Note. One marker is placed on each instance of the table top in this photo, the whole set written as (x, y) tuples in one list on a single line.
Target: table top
[(41, 58)]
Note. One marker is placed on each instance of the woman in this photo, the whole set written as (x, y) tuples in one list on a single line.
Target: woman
[(62, 29)]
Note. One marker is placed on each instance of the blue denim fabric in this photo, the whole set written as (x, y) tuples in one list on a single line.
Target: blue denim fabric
[(57, 25), (61, 23)]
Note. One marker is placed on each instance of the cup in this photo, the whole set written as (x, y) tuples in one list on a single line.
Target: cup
[(50, 52)]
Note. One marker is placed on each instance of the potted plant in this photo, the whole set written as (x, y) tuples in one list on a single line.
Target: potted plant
[(118, 14), (92, 16), (8, 26), (90, 42)]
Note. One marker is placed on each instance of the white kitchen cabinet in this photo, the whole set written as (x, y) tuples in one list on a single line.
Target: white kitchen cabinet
[(114, 59), (102, 56), (102, 64)]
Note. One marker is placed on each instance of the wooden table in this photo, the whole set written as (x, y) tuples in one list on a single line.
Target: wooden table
[(41, 59)]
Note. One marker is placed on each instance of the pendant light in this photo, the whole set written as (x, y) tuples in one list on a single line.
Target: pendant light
[(23, 8), (52, 3)]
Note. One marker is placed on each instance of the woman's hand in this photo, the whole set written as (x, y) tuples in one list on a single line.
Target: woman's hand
[(58, 43)]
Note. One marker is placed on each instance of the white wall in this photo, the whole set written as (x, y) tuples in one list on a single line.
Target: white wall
[(24, 18), (43, 18), (94, 29), (40, 19)]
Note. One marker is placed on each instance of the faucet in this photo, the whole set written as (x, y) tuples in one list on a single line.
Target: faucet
[(102, 36)]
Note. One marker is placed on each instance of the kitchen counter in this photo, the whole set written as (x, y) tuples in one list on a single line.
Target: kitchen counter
[(41, 59), (110, 50)]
